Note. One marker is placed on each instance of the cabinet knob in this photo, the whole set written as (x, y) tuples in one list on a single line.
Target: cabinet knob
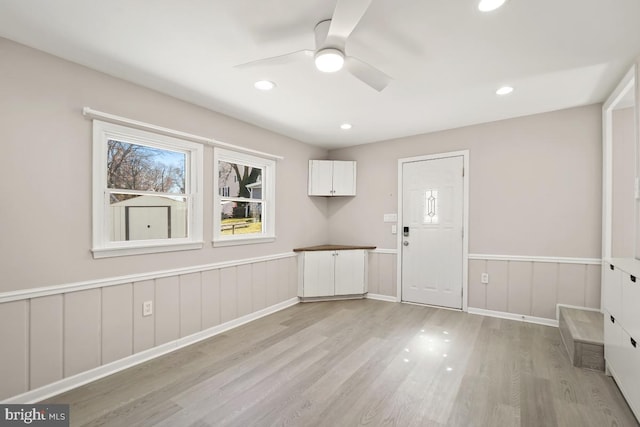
[(611, 267), (633, 342), (613, 319), (633, 278)]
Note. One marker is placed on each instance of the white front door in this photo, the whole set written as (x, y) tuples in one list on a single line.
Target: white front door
[(432, 239)]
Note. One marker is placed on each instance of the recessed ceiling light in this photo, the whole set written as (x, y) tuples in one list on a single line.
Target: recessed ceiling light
[(489, 5), (345, 126), (264, 85), (329, 60), (504, 90)]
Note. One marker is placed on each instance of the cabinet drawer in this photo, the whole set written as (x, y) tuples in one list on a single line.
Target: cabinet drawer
[(612, 342), (629, 377), (631, 305), (612, 289)]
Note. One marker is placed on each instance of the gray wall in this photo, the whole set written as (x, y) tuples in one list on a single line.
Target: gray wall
[(623, 200), (45, 172), (535, 185)]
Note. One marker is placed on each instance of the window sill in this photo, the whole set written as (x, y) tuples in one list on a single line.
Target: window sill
[(140, 250), (243, 241)]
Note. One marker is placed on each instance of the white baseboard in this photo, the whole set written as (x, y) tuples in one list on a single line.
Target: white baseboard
[(72, 382), (513, 316), (381, 297), (384, 251), (530, 258)]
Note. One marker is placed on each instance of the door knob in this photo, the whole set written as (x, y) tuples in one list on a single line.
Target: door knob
[(405, 243)]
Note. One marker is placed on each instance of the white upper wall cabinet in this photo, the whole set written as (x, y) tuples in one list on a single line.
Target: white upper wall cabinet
[(332, 178)]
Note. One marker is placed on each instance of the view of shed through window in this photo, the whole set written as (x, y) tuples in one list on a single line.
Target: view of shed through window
[(146, 187), (240, 188)]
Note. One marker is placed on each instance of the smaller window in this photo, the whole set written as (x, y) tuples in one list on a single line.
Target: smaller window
[(244, 209)]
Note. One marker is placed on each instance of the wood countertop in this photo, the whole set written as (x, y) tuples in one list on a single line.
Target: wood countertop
[(333, 248)]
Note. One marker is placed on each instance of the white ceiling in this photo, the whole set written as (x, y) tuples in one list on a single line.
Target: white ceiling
[(446, 58)]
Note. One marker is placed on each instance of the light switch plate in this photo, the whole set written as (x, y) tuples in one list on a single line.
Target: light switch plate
[(394, 229), (391, 217), (484, 278)]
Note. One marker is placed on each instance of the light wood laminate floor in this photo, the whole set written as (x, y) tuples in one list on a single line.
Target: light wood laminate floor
[(360, 362)]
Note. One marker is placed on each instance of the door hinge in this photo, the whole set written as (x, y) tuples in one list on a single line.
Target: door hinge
[(463, 171), (462, 233)]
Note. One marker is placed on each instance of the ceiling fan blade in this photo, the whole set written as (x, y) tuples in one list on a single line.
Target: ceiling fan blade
[(278, 60), (346, 16), (366, 73)]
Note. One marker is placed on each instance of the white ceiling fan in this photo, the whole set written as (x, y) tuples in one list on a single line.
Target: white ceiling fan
[(331, 37)]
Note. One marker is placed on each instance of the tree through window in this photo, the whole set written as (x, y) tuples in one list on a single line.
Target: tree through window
[(245, 197)]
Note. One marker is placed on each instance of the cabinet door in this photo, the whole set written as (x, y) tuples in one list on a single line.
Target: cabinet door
[(318, 274), (612, 290), (628, 374), (320, 178), (349, 272), (631, 304), (344, 178), (612, 342)]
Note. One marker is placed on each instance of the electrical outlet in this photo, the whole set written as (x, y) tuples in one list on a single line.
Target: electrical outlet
[(394, 229), (484, 278), (147, 308)]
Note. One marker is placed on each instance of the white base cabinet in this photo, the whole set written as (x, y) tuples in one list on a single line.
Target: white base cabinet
[(332, 273), (621, 304)]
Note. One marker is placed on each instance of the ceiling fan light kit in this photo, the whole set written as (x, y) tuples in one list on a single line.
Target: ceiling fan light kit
[(329, 60), (331, 36)]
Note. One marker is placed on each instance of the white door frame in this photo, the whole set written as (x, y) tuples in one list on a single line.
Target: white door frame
[(465, 221)]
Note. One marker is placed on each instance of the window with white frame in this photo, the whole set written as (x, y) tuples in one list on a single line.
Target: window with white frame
[(244, 202), (146, 192)]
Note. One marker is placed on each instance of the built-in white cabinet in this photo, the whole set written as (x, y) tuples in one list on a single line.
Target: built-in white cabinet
[(332, 178), (621, 306), (328, 271)]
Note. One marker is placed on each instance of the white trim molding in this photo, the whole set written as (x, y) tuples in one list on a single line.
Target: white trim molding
[(69, 383), (112, 118), (381, 297), (112, 281), (513, 316), (529, 258), (384, 251)]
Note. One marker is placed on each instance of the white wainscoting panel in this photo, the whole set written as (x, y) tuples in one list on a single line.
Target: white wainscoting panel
[(382, 272), (55, 340), (533, 286)]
